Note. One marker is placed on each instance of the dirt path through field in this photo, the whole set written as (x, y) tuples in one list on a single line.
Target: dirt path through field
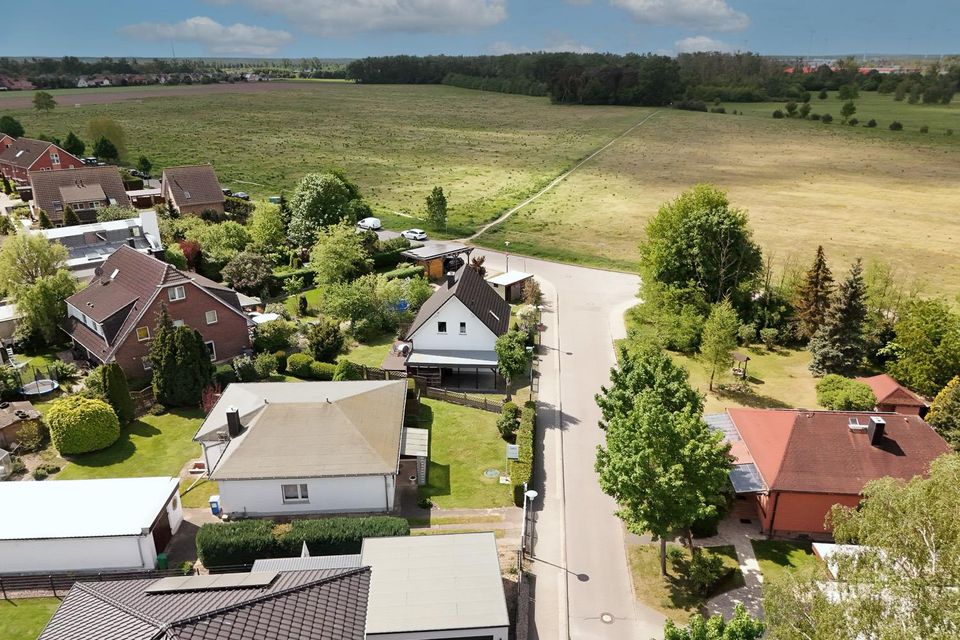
[(557, 180)]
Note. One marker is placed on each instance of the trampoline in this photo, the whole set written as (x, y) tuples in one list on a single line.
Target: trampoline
[(39, 387)]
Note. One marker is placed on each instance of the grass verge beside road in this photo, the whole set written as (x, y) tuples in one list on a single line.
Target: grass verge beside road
[(25, 619)]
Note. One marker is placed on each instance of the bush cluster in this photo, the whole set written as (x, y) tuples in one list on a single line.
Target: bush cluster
[(80, 425), (404, 272), (521, 471), (843, 394), (242, 542), (45, 470), (303, 366)]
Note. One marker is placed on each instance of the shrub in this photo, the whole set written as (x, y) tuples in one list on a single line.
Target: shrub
[(224, 375), (346, 370), (157, 409), (299, 365), (843, 394), (826, 118), (265, 365), (281, 357), (64, 371), (242, 542), (747, 334), (522, 469), (44, 470), (853, 122), (302, 306), (778, 114), (822, 95), (814, 116), (691, 105), (322, 370), (705, 570), (273, 336), (325, 340), (508, 421), (924, 129), (718, 110), (81, 425), (31, 435), (896, 126), (948, 132), (244, 369), (871, 123), (17, 467), (769, 337), (404, 272)]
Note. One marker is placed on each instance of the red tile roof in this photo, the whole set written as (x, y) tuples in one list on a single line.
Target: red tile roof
[(103, 183), (889, 391), (816, 451), (24, 152)]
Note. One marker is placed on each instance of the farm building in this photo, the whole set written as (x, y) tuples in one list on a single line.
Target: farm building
[(87, 525), (797, 464), (305, 447)]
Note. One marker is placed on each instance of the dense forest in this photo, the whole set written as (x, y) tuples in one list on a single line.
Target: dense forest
[(648, 80)]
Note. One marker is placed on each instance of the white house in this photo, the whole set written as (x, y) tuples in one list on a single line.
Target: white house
[(280, 448), (86, 525), (455, 331)]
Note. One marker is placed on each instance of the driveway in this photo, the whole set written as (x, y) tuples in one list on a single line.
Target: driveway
[(583, 587)]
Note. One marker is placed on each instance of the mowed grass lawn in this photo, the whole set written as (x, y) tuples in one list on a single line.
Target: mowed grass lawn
[(151, 446), (25, 619), (487, 150), (876, 194), (777, 558), (464, 443)]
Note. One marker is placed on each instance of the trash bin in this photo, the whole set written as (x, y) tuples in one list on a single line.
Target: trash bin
[(215, 505), (161, 561)]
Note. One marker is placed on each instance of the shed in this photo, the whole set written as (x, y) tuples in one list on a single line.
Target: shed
[(13, 417), (415, 443), (509, 285), (87, 525)]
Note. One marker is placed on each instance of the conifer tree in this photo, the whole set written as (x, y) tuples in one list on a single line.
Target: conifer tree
[(70, 217), (813, 299), (839, 345), (109, 382), (45, 220), (181, 363)]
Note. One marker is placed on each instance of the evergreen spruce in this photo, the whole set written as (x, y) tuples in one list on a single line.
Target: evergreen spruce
[(111, 383), (7, 189), (839, 345), (70, 217), (45, 220), (181, 363), (813, 299)]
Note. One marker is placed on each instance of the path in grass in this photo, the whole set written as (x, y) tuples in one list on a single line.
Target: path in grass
[(25, 619)]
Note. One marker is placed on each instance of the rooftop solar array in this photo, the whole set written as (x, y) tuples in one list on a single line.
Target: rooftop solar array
[(209, 583), (746, 478), (721, 422)]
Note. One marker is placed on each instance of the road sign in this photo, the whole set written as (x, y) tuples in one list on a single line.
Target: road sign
[(513, 452)]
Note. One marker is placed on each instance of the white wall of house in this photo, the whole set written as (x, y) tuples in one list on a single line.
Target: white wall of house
[(325, 495), (494, 633), (77, 554), (175, 513), (477, 337)]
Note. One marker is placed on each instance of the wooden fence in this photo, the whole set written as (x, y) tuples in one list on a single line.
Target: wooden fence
[(143, 399), (464, 399), (60, 582)]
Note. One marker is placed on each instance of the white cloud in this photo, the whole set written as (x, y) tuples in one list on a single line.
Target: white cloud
[(711, 15), (339, 17), (234, 39), (701, 43)]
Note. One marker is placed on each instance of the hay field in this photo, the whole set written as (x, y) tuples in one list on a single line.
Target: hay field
[(487, 150), (876, 196)]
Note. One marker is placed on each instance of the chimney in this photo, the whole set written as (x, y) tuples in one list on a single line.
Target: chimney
[(233, 422), (131, 243), (451, 277), (875, 430)]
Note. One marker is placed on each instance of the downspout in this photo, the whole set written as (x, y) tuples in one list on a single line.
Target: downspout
[(773, 515), (386, 495)]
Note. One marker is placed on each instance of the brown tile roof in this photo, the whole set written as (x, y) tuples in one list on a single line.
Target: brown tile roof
[(816, 451), (24, 152), (100, 181), (8, 413), (889, 391), (193, 185), (309, 605), (475, 294)]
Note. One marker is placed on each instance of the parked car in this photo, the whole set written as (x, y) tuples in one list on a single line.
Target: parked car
[(90, 161), (243, 195), (414, 234), (370, 223), (227, 192)]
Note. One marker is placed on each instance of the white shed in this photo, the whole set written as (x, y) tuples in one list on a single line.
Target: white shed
[(86, 525)]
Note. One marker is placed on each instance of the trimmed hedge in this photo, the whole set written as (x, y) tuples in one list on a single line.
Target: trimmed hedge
[(322, 370), (521, 472), (276, 281), (242, 542), (80, 425), (303, 366), (387, 258), (404, 272)]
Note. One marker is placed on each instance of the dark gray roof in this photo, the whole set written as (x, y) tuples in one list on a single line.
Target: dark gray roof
[(475, 294), (192, 185), (309, 605)]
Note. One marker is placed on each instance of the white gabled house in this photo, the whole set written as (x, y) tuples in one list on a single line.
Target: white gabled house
[(455, 332)]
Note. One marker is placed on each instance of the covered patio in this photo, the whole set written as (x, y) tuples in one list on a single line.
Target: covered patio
[(467, 370)]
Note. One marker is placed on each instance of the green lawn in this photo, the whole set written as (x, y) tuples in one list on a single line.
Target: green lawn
[(464, 442), (25, 619), (151, 446), (371, 353), (674, 596), (779, 557), (313, 302), (198, 496)]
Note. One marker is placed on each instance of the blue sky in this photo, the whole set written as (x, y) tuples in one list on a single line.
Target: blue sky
[(355, 28)]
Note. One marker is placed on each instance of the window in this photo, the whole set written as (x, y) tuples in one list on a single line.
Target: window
[(212, 348), (211, 317), (57, 205), (295, 493), (441, 327), (143, 333), (463, 328), (54, 157), (176, 293), (178, 323), (147, 365)]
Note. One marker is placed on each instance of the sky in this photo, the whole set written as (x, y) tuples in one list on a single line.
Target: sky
[(357, 28)]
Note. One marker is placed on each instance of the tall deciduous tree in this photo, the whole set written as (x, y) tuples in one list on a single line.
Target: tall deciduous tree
[(813, 298), (144, 165), (248, 272), (41, 305), (926, 346), (839, 345), (512, 355), (944, 413), (320, 200), (43, 101), (181, 363), (74, 145), (27, 257), (339, 255), (719, 338), (700, 240), (268, 230), (665, 469), (437, 208)]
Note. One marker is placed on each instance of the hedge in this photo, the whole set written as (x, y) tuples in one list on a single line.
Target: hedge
[(387, 258), (521, 472), (404, 272), (275, 283), (80, 425), (242, 542), (303, 366)]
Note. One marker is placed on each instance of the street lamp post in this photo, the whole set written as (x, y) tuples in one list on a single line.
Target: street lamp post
[(506, 243), (528, 495)]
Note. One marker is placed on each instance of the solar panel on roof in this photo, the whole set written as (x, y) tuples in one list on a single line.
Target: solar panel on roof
[(208, 583), (746, 478), (721, 422)]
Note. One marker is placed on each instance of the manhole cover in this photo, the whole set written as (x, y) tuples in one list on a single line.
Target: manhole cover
[(492, 473), (606, 618)]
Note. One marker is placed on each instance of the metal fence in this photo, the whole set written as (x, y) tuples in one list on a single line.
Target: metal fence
[(54, 582), (464, 399)]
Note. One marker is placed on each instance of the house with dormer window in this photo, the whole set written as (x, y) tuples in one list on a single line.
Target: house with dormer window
[(192, 189)]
